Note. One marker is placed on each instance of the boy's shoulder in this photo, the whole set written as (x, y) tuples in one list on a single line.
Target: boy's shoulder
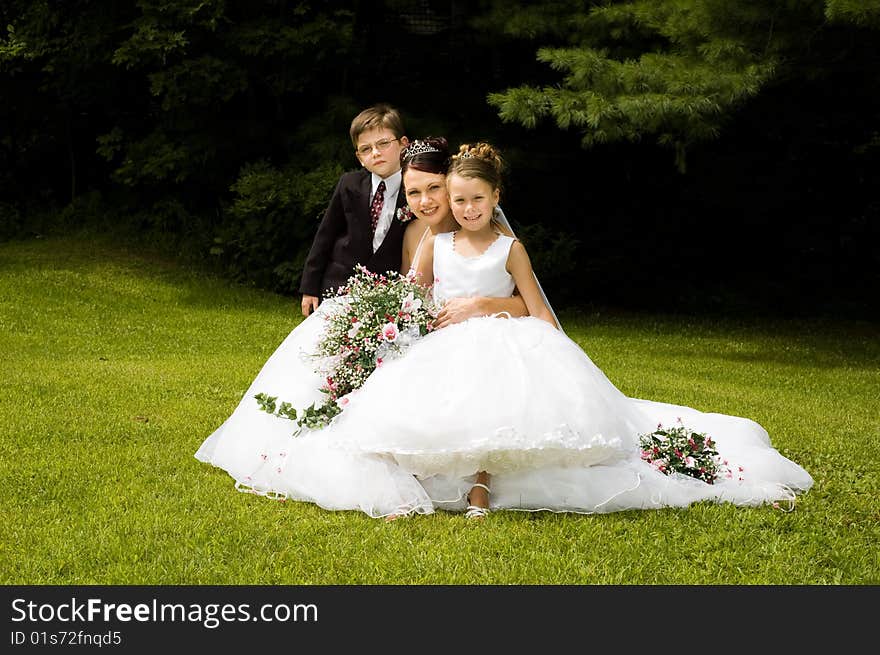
[(354, 177)]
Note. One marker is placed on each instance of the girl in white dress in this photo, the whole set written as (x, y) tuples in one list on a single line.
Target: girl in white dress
[(516, 404)]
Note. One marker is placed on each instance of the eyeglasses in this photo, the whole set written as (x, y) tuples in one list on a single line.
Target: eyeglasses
[(381, 146)]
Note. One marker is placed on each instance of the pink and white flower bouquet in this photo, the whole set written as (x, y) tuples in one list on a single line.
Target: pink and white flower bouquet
[(681, 450), (373, 318)]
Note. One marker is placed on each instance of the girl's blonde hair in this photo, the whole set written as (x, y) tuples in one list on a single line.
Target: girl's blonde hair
[(481, 161)]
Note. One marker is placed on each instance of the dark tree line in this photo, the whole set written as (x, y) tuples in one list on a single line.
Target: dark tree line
[(710, 154)]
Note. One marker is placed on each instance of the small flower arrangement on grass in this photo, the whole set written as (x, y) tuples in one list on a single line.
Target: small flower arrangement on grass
[(681, 450), (375, 318)]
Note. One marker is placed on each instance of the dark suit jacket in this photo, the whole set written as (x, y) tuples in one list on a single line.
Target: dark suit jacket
[(344, 238)]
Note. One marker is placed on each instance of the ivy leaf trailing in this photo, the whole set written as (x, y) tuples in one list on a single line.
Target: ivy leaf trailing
[(314, 417)]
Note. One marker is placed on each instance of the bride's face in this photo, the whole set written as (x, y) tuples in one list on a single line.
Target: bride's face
[(426, 195)]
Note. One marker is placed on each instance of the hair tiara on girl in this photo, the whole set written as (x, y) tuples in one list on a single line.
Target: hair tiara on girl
[(419, 148)]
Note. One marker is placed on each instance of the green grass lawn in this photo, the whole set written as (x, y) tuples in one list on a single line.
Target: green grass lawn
[(117, 364)]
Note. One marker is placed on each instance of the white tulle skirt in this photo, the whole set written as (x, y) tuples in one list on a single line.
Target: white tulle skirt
[(260, 453), (515, 398), (490, 395)]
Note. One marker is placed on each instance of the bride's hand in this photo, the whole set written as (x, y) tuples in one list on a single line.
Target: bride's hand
[(457, 310)]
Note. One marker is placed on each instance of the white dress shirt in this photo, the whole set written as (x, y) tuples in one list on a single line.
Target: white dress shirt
[(392, 186)]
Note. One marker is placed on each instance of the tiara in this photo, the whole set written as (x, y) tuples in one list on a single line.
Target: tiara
[(418, 148)]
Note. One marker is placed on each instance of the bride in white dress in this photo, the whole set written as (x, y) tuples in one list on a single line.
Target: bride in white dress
[(509, 402)]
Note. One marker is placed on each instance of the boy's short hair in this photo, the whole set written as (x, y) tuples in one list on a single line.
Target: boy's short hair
[(381, 115)]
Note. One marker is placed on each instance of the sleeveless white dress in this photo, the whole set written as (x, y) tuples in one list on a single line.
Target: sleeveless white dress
[(514, 397)]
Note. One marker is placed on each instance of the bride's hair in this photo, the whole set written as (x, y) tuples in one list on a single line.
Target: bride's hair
[(430, 155)]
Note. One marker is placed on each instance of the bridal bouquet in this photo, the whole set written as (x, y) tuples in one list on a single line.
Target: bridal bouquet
[(681, 450), (373, 318)]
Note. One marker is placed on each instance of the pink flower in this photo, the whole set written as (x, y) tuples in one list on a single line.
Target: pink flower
[(389, 332), (342, 402), (410, 304)]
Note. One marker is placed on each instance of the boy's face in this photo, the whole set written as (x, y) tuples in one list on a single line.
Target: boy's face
[(379, 151)]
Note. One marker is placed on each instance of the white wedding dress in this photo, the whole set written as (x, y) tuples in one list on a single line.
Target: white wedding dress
[(514, 397), (258, 450)]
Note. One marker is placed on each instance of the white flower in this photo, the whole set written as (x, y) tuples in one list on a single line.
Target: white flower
[(410, 303), (352, 333), (389, 332)]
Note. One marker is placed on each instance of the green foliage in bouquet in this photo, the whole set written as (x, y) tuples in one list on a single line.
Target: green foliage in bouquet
[(372, 319)]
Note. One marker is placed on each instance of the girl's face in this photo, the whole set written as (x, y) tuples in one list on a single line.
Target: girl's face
[(473, 201), (426, 195)]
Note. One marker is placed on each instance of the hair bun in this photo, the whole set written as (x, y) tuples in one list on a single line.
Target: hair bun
[(483, 151)]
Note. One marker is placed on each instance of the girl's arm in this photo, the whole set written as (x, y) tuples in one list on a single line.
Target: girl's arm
[(457, 310), (520, 268)]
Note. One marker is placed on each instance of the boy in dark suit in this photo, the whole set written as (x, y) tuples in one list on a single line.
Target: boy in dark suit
[(359, 226)]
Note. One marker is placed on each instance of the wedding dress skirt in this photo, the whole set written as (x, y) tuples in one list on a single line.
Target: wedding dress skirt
[(520, 400), (489, 394), (514, 397), (759, 474), (258, 450)]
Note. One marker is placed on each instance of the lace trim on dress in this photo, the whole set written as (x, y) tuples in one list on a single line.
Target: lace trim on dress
[(506, 450), (488, 248)]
